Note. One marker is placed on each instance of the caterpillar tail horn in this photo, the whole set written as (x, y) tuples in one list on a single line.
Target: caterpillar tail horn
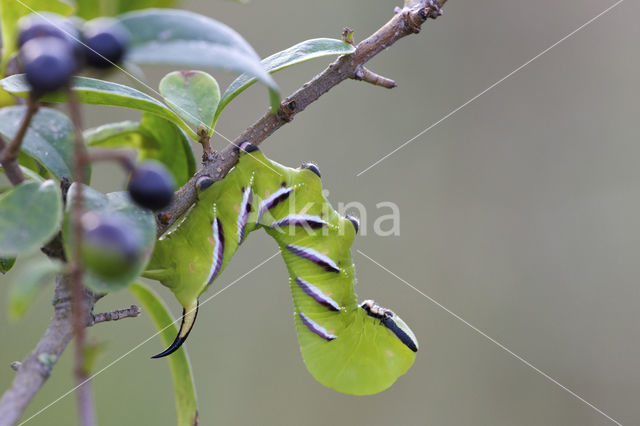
[(188, 320)]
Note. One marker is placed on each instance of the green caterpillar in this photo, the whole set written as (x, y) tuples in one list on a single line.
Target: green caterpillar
[(356, 349)]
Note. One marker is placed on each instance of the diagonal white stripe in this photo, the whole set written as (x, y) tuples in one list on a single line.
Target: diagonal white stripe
[(145, 341), (492, 86), (500, 345)]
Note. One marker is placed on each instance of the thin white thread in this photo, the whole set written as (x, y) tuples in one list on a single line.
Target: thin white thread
[(187, 113), (491, 339), (144, 341), (491, 87)]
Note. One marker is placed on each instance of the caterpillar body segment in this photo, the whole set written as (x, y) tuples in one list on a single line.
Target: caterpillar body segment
[(356, 349)]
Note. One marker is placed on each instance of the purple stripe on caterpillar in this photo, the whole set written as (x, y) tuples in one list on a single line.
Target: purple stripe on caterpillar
[(355, 221), (314, 256), (273, 200), (248, 147), (245, 210), (386, 318), (316, 328), (317, 295), (218, 250), (400, 333), (312, 167), (204, 182), (313, 222)]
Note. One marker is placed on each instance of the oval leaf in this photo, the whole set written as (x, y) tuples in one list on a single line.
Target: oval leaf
[(154, 138), (301, 52), (28, 173), (194, 95), (28, 284), (115, 204), (6, 263), (178, 37), (183, 386), (48, 140), (89, 9), (30, 215), (114, 135), (100, 92)]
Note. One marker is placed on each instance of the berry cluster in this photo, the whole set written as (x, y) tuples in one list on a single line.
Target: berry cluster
[(52, 48), (111, 246)]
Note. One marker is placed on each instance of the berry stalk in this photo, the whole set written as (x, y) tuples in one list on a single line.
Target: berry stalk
[(84, 393)]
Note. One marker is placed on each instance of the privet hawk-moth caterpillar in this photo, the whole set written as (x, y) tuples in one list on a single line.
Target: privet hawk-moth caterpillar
[(357, 349)]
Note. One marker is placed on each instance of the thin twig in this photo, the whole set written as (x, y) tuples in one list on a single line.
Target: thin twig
[(405, 22), (124, 160), (11, 168), (116, 315), (205, 141), (9, 152), (84, 394), (371, 77), (36, 368)]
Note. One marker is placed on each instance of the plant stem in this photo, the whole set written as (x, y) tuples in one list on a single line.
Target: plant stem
[(9, 152), (36, 368), (85, 399), (32, 373), (405, 22), (124, 160), (131, 312)]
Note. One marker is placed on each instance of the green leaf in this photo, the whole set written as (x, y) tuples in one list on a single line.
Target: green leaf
[(115, 204), (30, 215), (301, 52), (28, 284), (194, 95), (174, 149), (89, 9), (29, 174), (128, 5), (49, 139), (100, 92), (186, 39), (92, 351), (6, 263), (124, 134), (183, 386), (12, 10), (154, 138)]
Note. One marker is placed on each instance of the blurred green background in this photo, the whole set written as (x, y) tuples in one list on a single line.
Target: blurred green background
[(520, 213)]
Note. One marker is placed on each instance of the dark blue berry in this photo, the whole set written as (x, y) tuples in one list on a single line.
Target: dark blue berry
[(106, 42), (151, 186), (50, 25), (48, 63), (46, 25), (110, 244)]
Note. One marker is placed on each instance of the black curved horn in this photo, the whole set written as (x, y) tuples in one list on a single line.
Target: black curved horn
[(188, 320)]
